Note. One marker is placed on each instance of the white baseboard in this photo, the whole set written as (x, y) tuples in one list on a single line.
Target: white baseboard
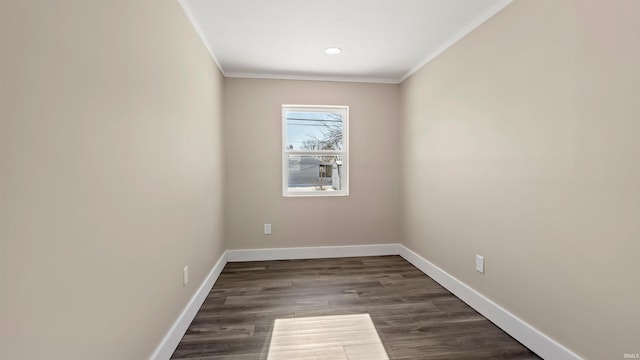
[(170, 341), (313, 252), (541, 344), (535, 340)]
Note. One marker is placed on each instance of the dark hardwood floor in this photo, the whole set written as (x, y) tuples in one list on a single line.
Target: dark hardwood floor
[(415, 317)]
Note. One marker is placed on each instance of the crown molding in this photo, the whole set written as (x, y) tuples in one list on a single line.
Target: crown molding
[(203, 38), (457, 37), (311, 78)]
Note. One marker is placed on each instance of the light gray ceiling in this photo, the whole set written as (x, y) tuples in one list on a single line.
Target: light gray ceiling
[(381, 40)]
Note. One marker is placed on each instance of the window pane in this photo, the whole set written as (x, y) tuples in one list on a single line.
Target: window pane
[(314, 130), (315, 173)]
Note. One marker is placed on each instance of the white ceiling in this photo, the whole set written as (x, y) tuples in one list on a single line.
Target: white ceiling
[(382, 40)]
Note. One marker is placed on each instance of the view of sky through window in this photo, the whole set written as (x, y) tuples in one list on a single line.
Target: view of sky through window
[(313, 130)]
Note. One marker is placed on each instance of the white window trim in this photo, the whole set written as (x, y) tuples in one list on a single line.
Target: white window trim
[(344, 152)]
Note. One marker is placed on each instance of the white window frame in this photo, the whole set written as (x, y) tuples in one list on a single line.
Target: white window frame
[(344, 153)]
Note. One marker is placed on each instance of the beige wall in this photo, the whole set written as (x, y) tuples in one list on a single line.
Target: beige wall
[(110, 175), (521, 144), (369, 215)]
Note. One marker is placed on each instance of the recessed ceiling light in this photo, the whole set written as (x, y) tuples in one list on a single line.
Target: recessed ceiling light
[(332, 50)]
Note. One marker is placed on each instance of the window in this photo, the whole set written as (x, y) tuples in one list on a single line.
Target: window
[(315, 150)]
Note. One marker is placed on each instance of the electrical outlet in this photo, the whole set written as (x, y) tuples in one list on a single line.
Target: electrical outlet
[(267, 229), (480, 264), (185, 276)]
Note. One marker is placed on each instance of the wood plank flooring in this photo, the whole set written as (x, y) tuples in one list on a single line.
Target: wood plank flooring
[(339, 337), (415, 317)]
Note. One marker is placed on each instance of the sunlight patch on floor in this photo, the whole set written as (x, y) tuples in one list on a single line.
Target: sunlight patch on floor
[(345, 337)]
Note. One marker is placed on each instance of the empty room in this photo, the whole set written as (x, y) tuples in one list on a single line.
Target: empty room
[(339, 179)]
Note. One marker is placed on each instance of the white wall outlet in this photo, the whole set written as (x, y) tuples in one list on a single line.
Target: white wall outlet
[(185, 276), (480, 264), (267, 229)]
